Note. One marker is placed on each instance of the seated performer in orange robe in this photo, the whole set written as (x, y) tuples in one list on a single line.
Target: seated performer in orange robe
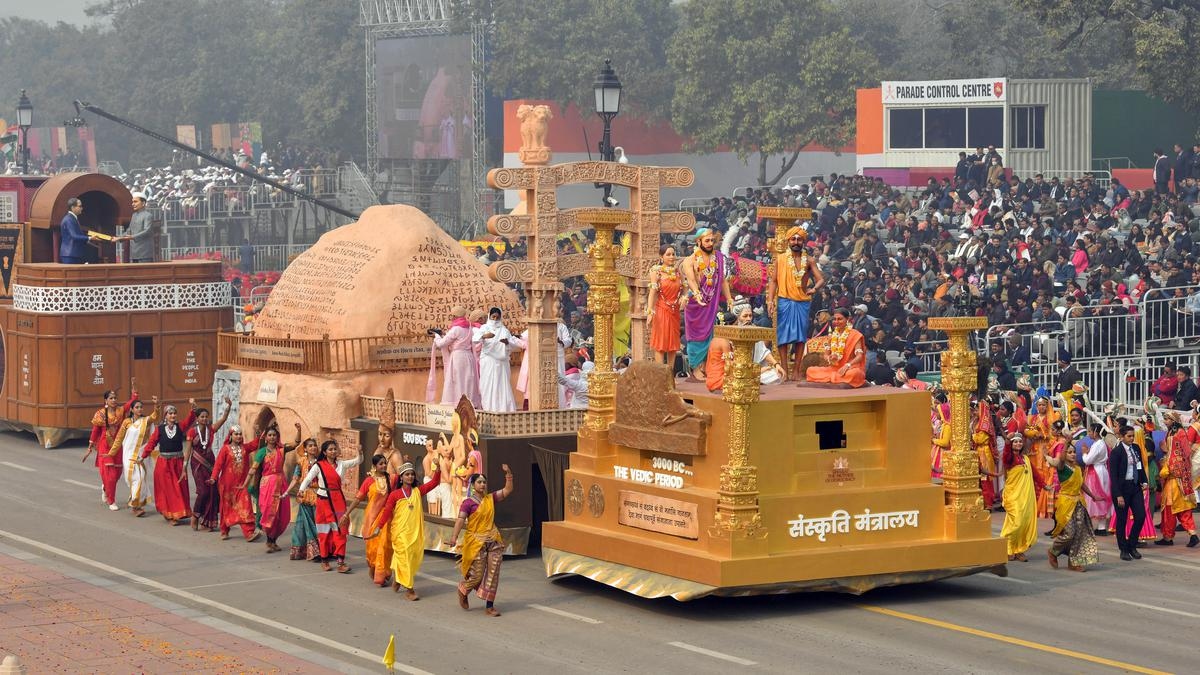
[(714, 369), (846, 355)]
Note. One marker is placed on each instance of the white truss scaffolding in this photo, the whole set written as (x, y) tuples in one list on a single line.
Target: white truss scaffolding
[(385, 19), (402, 12)]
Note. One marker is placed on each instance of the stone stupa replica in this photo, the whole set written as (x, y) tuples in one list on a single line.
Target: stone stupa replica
[(350, 316)]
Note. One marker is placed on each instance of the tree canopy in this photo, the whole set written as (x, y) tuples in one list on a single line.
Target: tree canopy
[(763, 77), (296, 66), (766, 77), (552, 49)]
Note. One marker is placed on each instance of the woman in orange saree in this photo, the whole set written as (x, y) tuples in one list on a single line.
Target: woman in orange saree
[(846, 355), (1039, 429)]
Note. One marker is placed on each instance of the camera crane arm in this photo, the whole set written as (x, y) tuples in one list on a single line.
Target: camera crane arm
[(81, 106)]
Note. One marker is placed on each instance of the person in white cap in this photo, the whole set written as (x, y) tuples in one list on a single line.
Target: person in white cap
[(140, 233)]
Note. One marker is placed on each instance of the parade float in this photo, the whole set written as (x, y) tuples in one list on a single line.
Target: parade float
[(676, 491), (69, 333)]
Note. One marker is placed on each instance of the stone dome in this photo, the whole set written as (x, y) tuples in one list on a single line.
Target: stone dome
[(394, 272)]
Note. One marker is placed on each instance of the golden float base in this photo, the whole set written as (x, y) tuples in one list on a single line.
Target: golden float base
[(654, 570), (833, 493), (646, 584)]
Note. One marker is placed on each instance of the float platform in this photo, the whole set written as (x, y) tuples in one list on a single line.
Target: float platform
[(688, 494)]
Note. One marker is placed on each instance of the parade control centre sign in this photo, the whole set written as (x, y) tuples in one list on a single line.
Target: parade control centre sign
[(986, 90)]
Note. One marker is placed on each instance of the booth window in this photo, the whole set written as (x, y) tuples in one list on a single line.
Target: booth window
[(985, 126), (1029, 127), (143, 348), (945, 127), (942, 128), (905, 127)]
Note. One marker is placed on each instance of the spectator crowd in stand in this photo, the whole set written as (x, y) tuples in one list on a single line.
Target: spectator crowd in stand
[(1032, 250), (185, 193)]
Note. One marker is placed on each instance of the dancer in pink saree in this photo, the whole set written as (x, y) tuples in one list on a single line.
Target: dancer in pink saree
[(274, 507)]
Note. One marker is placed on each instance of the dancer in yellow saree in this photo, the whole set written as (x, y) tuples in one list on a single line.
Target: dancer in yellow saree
[(403, 518), (483, 549), (1072, 532), (1020, 503)]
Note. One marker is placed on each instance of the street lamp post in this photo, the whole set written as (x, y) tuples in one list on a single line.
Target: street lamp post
[(24, 121), (608, 104)]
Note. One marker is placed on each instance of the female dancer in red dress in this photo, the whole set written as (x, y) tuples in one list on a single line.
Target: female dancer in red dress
[(198, 454), (105, 424)]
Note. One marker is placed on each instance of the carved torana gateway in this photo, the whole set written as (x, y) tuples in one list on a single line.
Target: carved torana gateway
[(542, 273)]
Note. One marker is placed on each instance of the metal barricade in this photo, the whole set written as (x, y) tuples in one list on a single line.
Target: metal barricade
[(694, 205), (1167, 322), (317, 182), (930, 354), (1100, 178), (1103, 333)]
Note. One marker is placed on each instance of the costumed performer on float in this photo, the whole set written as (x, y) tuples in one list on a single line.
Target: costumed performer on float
[(461, 377), (793, 279), (983, 437), (495, 387), (403, 517), (663, 304), (846, 355), (704, 272)]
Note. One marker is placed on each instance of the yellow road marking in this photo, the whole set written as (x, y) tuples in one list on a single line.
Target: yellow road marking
[(1012, 640)]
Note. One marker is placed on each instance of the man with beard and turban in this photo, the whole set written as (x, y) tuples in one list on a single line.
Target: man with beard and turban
[(704, 271), (792, 281)]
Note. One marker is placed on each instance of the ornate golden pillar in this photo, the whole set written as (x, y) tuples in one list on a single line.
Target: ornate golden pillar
[(737, 516), (965, 515), (603, 302)]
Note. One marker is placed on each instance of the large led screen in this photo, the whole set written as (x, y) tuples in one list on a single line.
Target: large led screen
[(423, 97)]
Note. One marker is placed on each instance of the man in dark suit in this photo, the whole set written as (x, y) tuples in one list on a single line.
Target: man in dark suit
[(1183, 166), (73, 248), (1128, 477), (1162, 172)]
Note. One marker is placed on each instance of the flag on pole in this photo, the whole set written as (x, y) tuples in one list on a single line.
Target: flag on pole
[(389, 655), (8, 141)]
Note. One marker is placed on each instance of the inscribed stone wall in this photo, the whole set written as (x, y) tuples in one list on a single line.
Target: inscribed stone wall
[(393, 273)]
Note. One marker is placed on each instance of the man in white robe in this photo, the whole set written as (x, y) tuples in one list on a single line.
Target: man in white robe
[(495, 389), (564, 342)]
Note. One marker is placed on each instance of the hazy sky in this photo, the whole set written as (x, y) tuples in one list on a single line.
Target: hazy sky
[(50, 11)]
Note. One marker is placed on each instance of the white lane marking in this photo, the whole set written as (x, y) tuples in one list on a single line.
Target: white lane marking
[(90, 486), (715, 655), (1157, 609), (192, 597), (18, 466), (1167, 562), (1013, 580), (559, 612), (436, 580), (247, 581)]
